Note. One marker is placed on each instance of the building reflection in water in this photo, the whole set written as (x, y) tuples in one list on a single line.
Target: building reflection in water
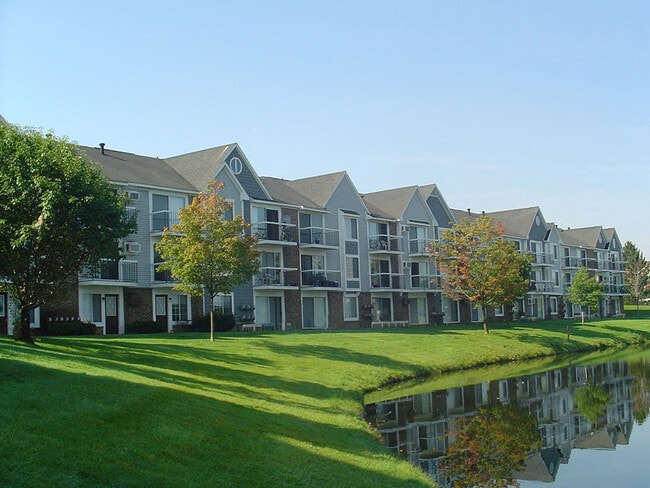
[(578, 407)]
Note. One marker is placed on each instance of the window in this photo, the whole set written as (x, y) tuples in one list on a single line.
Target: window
[(311, 228), (266, 223), (352, 272), (498, 311), (270, 272), (159, 276), (382, 309), (313, 269), (477, 314), (223, 303), (351, 228), (378, 235), (164, 211), (417, 239), (350, 307), (417, 311), (229, 213), (91, 307), (553, 305), (179, 308), (380, 273), (314, 312)]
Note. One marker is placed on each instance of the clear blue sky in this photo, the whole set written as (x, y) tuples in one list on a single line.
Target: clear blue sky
[(503, 104)]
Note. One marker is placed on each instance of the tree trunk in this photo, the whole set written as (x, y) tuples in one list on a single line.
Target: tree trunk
[(568, 332), (22, 330), (582, 314), (485, 326), (211, 324)]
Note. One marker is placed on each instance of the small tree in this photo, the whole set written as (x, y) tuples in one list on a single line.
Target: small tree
[(584, 291), (637, 273), (479, 265), (57, 213), (206, 252)]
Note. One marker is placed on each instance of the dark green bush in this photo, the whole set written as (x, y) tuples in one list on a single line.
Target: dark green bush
[(223, 322), (71, 328), (145, 327)]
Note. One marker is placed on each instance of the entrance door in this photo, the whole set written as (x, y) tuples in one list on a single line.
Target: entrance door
[(275, 312), (4, 330), (112, 321), (161, 309)]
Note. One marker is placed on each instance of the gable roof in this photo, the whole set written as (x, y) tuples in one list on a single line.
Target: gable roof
[(438, 206), (518, 222), (199, 167), (281, 191), (318, 189), (585, 236), (123, 167), (389, 203)]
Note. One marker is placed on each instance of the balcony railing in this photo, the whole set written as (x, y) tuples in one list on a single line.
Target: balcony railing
[(542, 258), (319, 237), (275, 231), (162, 276), (321, 279), (108, 270), (423, 282), (419, 246), (274, 276), (386, 280), (382, 243), (162, 220)]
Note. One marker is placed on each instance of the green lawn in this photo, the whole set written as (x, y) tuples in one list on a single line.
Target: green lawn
[(250, 409)]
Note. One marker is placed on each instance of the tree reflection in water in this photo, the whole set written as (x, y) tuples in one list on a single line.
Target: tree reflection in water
[(490, 446), (524, 427)]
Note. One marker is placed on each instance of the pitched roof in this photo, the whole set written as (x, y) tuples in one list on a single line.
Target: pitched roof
[(585, 236), (518, 222), (318, 189), (281, 191), (389, 203), (199, 167), (438, 205), (122, 167)]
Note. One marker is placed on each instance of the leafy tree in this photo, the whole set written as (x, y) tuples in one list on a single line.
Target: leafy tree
[(637, 273), (57, 213), (591, 401), (584, 291), (479, 265), (490, 446), (206, 252)]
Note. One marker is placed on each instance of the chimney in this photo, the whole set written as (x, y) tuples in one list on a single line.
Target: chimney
[(101, 146), (469, 212)]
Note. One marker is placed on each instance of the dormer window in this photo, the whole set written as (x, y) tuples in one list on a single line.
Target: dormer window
[(236, 165)]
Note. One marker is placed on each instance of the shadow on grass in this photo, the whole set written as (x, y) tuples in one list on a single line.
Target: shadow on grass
[(63, 428)]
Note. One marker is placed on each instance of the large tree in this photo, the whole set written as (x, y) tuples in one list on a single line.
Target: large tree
[(206, 252), (57, 213), (481, 266), (584, 291), (637, 273)]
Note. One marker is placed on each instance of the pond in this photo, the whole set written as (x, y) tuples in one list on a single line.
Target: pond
[(580, 421)]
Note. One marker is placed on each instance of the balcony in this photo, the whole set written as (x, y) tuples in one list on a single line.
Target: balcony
[(384, 243), (423, 282), (110, 271), (321, 279), (319, 237), (542, 259), (388, 281), (418, 247), (162, 276), (162, 220), (273, 277), (274, 232)]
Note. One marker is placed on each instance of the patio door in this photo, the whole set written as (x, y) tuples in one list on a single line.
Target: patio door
[(112, 321), (161, 309), (4, 327)]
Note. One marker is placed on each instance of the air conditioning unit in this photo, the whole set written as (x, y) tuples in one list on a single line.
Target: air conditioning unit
[(134, 196), (406, 264), (132, 247), (405, 228)]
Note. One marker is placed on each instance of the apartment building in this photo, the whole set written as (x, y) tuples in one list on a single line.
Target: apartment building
[(330, 256)]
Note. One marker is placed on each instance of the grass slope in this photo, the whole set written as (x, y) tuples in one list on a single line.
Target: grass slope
[(250, 409)]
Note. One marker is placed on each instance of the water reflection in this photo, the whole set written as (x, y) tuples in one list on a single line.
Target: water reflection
[(497, 433)]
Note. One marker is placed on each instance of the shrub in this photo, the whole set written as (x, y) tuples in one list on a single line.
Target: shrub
[(73, 327), (223, 322), (145, 327)]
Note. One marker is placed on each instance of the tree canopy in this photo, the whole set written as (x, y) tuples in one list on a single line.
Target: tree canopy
[(57, 213), (637, 273), (585, 291), (479, 265), (207, 252)]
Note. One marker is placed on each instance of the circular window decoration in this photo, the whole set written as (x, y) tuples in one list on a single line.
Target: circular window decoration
[(236, 165), (537, 220)]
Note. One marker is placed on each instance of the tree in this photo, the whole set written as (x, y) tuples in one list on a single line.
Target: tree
[(206, 252), (584, 291), (637, 273), (491, 445), (479, 265), (591, 401), (57, 213)]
